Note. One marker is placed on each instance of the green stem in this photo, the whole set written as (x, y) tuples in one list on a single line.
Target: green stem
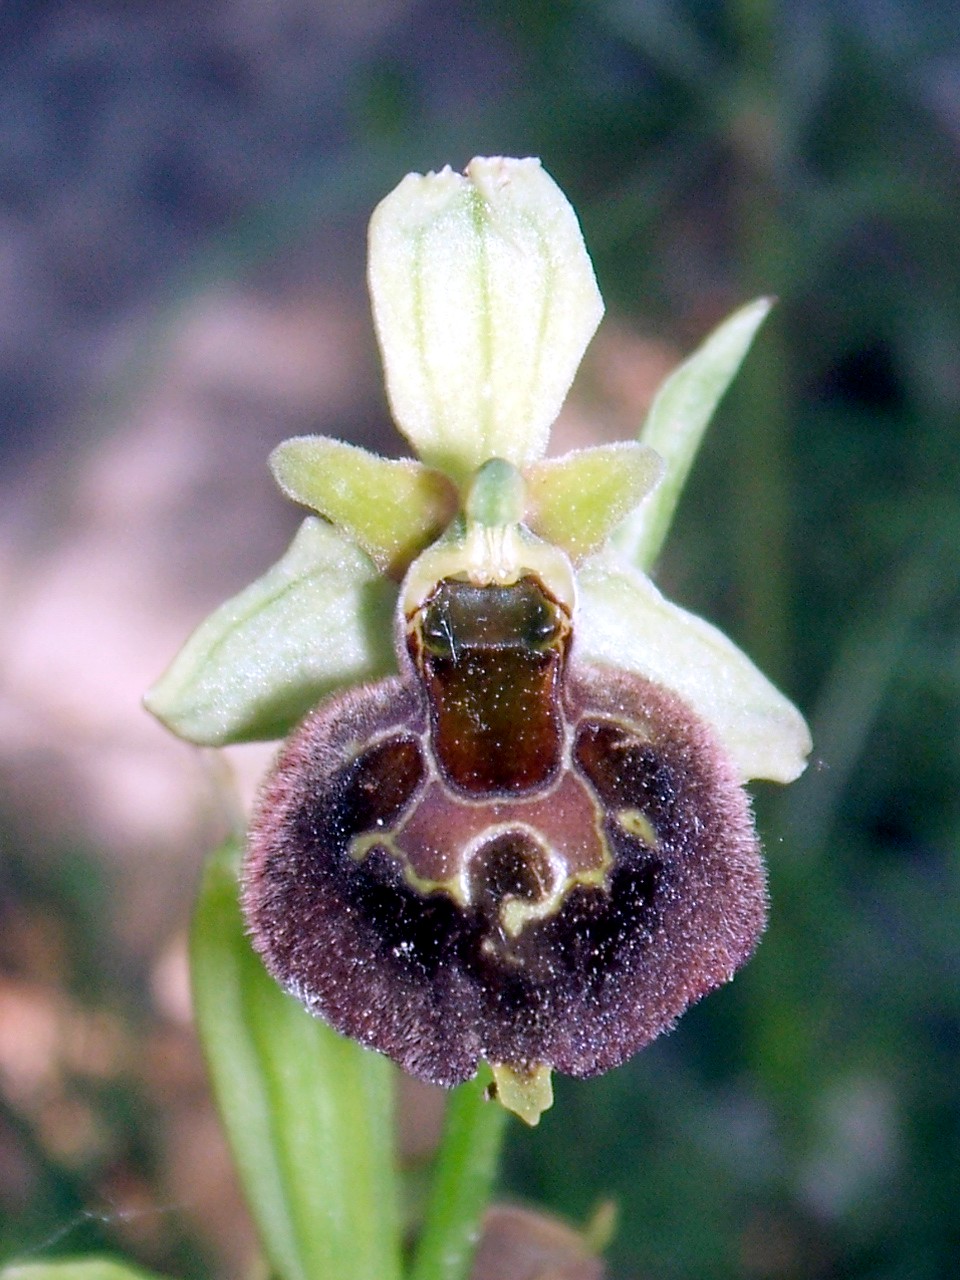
[(463, 1177)]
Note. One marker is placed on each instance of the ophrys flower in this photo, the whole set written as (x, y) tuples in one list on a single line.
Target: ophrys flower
[(530, 843)]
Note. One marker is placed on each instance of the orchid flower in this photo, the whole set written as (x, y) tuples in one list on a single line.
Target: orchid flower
[(509, 822)]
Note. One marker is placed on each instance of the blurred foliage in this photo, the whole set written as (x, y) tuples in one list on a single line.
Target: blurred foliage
[(804, 1122), (79, 1153)]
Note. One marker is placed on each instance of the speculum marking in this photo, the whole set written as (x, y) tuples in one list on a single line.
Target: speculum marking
[(629, 776), (378, 785)]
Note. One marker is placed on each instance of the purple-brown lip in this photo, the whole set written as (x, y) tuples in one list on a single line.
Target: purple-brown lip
[(503, 854)]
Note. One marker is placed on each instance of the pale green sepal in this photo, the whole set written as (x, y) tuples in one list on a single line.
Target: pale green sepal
[(678, 417), (308, 1113), (90, 1268), (391, 508), (484, 300), (318, 620), (577, 500), (623, 620)]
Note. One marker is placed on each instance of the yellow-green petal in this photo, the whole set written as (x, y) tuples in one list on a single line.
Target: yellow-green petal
[(576, 501), (391, 508), (484, 300)]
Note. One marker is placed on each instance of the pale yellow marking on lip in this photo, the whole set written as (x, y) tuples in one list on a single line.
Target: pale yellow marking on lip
[(516, 913), (541, 817), (638, 824), (455, 888), (526, 1093)]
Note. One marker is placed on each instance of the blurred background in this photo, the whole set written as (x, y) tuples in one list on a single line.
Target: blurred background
[(184, 190)]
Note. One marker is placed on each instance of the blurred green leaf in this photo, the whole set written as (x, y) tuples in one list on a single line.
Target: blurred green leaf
[(308, 1113), (678, 418), (78, 1269), (319, 619)]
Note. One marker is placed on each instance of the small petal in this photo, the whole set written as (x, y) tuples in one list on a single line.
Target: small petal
[(317, 620), (624, 621), (390, 508), (484, 300), (577, 500)]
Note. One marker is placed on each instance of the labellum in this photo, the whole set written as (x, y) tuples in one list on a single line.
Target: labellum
[(504, 853)]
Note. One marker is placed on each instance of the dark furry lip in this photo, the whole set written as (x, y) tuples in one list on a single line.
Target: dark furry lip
[(503, 853)]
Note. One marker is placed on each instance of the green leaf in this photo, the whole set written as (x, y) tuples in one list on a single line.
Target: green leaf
[(575, 501), (624, 621), (320, 619), (76, 1269), (308, 1113), (678, 417), (391, 508)]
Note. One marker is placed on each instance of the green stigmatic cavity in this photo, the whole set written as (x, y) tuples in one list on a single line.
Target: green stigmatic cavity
[(502, 853)]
